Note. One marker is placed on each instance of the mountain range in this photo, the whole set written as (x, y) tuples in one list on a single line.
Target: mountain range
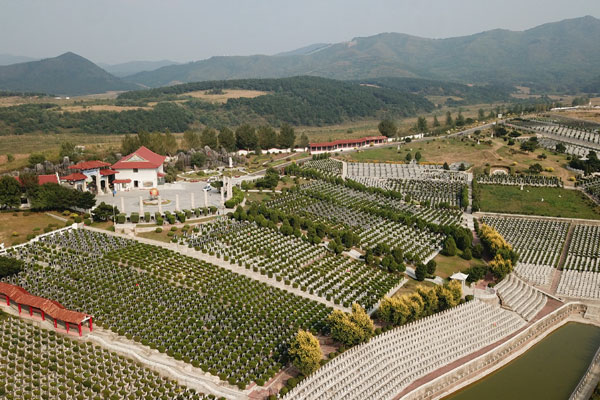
[(556, 56), (560, 56), (67, 74)]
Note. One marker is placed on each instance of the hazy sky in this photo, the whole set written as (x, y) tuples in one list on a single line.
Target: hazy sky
[(115, 31)]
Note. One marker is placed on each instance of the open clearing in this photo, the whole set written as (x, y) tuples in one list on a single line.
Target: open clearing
[(14, 229), (497, 154), (545, 201), (446, 266), (226, 95), (101, 107)]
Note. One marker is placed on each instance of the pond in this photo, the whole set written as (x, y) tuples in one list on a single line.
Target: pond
[(550, 370)]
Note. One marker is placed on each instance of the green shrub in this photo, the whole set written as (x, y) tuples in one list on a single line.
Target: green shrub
[(135, 217)]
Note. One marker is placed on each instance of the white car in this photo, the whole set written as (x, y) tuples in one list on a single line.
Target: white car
[(207, 188)]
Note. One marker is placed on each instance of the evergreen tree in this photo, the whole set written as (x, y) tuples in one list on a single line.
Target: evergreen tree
[(436, 123), (449, 121), (388, 128), (227, 139), (209, 138), (192, 139), (10, 192), (267, 137), (287, 137), (245, 137)]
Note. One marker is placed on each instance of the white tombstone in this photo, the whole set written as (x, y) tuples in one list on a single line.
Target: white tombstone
[(223, 197), (205, 199)]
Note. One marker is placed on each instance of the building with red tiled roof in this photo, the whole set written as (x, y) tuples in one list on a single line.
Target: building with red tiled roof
[(96, 173), (142, 169), (43, 179), (345, 144)]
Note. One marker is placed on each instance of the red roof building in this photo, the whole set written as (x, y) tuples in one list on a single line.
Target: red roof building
[(141, 169), (43, 179), (345, 144), (142, 158), (74, 177)]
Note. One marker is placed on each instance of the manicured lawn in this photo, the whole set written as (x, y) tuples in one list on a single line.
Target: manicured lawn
[(556, 202), (15, 228), (446, 266)]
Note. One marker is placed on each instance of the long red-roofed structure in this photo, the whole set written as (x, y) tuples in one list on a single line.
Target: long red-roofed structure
[(346, 143), (46, 307)]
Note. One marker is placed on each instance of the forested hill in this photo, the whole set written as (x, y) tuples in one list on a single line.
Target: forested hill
[(67, 74), (555, 56), (300, 100), (297, 101), (457, 93)]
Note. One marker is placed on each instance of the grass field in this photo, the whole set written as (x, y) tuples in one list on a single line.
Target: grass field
[(556, 202), (15, 228), (446, 266), (226, 95), (412, 285)]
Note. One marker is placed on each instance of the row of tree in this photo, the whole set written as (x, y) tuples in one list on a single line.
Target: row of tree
[(422, 303)]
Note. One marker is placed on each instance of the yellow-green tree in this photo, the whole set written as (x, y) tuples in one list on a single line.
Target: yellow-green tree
[(351, 329), (305, 352)]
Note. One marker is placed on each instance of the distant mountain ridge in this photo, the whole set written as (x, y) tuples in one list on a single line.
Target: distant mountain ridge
[(8, 59), (561, 55), (133, 67), (67, 74)]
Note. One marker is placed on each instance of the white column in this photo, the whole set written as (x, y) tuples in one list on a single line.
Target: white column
[(205, 199), (192, 200), (123, 205), (141, 207), (223, 197), (177, 203), (229, 188), (159, 205)]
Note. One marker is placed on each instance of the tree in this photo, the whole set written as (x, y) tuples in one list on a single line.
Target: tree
[(67, 149), (10, 266), (408, 157), (560, 148), (460, 119), (85, 200), (388, 128), (529, 145), (287, 137), (129, 144), (303, 141), (431, 266), (170, 143), (198, 159), (227, 139), (436, 123), (477, 251), (446, 166), (351, 329), (418, 156), (267, 137), (192, 140), (421, 271), (536, 168), (467, 255), (421, 124), (449, 247), (104, 212), (305, 352), (481, 114), (10, 192), (449, 121), (245, 137), (36, 158)]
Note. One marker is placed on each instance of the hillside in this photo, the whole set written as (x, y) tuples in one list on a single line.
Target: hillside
[(310, 101), (556, 56), (8, 59), (67, 74), (133, 67)]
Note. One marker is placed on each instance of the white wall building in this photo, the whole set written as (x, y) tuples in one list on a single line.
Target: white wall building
[(142, 169)]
